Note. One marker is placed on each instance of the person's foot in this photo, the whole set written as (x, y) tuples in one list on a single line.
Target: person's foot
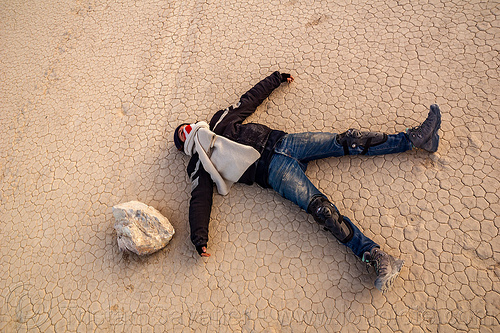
[(426, 135), (386, 267)]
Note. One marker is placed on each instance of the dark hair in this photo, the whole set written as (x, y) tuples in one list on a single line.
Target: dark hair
[(178, 143)]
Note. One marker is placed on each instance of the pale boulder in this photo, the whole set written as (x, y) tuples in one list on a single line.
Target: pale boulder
[(141, 228)]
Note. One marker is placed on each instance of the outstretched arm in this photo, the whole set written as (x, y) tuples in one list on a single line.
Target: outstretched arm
[(255, 96), (250, 101), (200, 205)]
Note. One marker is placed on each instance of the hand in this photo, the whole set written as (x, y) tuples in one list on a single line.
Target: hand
[(204, 252), (286, 77)]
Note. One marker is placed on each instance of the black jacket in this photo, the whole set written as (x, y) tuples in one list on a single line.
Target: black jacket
[(228, 123)]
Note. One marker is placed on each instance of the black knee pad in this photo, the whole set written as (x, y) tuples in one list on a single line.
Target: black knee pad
[(326, 214), (354, 138)]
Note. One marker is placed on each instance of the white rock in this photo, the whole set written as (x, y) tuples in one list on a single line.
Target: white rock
[(141, 228)]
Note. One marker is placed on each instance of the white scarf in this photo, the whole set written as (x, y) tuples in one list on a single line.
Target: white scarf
[(225, 160)]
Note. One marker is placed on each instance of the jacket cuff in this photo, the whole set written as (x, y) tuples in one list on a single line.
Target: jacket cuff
[(198, 248)]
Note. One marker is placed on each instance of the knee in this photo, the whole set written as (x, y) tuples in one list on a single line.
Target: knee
[(353, 138), (327, 215)]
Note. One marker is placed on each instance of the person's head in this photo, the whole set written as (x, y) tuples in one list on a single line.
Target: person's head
[(179, 136)]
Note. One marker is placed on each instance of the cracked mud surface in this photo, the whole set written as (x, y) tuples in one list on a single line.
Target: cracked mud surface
[(90, 94)]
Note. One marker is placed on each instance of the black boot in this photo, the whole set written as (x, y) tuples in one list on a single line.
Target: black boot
[(326, 214), (426, 135)]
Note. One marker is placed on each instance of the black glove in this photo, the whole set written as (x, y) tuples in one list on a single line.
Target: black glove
[(285, 76)]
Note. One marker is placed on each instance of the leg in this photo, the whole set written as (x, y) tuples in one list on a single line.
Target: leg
[(309, 146), (356, 142), (424, 136), (386, 267), (287, 177), (327, 215)]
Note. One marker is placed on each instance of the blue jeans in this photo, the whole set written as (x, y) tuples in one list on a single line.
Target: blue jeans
[(289, 163)]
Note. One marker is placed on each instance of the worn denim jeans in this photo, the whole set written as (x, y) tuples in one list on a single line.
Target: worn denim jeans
[(289, 163)]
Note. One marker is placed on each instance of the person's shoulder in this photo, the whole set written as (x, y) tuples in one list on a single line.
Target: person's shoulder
[(215, 118)]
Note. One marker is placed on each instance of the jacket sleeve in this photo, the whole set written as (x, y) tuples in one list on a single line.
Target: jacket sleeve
[(200, 205), (250, 100)]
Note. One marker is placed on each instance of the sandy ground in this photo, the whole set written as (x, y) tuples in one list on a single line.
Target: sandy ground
[(91, 91)]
